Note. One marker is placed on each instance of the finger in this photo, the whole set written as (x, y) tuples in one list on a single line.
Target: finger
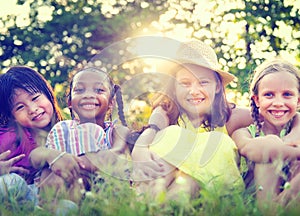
[(16, 159), (80, 162), (4, 155), (20, 170), (139, 175), (74, 174)]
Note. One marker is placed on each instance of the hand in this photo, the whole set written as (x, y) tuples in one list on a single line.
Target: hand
[(159, 117), (146, 165), (6, 166), (295, 143), (87, 162), (67, 167)]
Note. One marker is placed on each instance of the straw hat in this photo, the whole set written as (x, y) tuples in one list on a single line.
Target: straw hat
[(199, 53)]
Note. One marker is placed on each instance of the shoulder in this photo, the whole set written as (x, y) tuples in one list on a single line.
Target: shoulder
[(7, 132), (63, 125), (7, 135), (241, 133)]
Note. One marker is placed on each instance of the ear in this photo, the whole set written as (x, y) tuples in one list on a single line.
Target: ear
[(111, 104), (256, 101)]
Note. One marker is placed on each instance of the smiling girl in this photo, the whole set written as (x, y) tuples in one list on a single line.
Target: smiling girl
[(98, 141), (275, 100), (28, 111)]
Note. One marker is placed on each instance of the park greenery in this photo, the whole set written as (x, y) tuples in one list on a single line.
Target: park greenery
[(58, 37)]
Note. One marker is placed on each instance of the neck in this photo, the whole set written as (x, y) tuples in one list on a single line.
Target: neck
[(268, 128), (95, 121), (196, 120)]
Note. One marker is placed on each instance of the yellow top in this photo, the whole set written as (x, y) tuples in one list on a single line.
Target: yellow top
[(210, 157)]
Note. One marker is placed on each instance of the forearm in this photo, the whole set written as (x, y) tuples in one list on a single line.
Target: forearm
[(41, 156), (293, 138), (267, 149), (146, 138)]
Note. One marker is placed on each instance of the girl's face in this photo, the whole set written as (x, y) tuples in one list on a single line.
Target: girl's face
[(90, 96), (278, 97), (195, 90), (32, 110)]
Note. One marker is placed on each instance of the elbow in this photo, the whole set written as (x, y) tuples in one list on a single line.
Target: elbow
[(252, 154)]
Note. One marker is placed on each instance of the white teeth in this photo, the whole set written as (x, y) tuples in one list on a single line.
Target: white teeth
[(277, 113), (38, 116), (195, 101), (88, 106)]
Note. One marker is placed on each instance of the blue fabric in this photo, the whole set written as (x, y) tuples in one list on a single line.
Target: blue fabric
[(14, 186)]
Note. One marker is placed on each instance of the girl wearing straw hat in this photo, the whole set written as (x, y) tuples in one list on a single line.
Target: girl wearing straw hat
[(189, 129)]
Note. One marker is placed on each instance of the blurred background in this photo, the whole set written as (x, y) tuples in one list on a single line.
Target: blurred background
[(58, 37)]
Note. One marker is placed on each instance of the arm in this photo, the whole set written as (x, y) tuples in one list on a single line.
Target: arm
[(263, 149), (146, 161), (240, 118), (66, 166), (112, 161), (293, 138), (119, 139)]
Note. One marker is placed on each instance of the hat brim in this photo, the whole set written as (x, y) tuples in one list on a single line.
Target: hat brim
[(169, 66)]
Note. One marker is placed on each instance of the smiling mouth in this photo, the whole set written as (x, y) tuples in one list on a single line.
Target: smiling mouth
[(37, 117), (277, 114), (89, 106), (195, 100)]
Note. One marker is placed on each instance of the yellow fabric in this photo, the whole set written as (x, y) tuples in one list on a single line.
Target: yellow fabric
[(184, 122), (209, 157)]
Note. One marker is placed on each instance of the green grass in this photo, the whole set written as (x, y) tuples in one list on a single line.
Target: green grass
[(115, 197)]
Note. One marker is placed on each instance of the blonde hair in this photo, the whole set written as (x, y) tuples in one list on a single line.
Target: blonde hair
[(268, 67)]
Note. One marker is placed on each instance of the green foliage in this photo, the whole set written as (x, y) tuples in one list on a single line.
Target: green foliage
[(263, 20)]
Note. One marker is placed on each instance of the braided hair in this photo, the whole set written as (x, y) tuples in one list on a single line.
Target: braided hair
[(268, 67)]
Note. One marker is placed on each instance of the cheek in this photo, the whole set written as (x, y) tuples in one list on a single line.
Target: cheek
[(211, 92), (22, 119), (47, 106), (180, 92)]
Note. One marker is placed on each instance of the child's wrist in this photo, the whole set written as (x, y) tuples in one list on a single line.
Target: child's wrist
[(154, 127), (56, 159)]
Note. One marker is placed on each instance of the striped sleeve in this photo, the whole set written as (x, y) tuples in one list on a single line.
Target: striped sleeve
[(57, 137)]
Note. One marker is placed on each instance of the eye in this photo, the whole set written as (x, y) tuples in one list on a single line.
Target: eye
[(35, 97), (268, 94), (99, 90), (184, 83), (78, 90), (203, 82), (19, 107), (288, 94)]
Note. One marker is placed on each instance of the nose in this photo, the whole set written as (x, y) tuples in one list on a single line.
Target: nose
[(33, 107), (89, 93), (195, 88), (278, 101)]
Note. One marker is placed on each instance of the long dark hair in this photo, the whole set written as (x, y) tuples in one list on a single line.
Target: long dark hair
[(29, 80)]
